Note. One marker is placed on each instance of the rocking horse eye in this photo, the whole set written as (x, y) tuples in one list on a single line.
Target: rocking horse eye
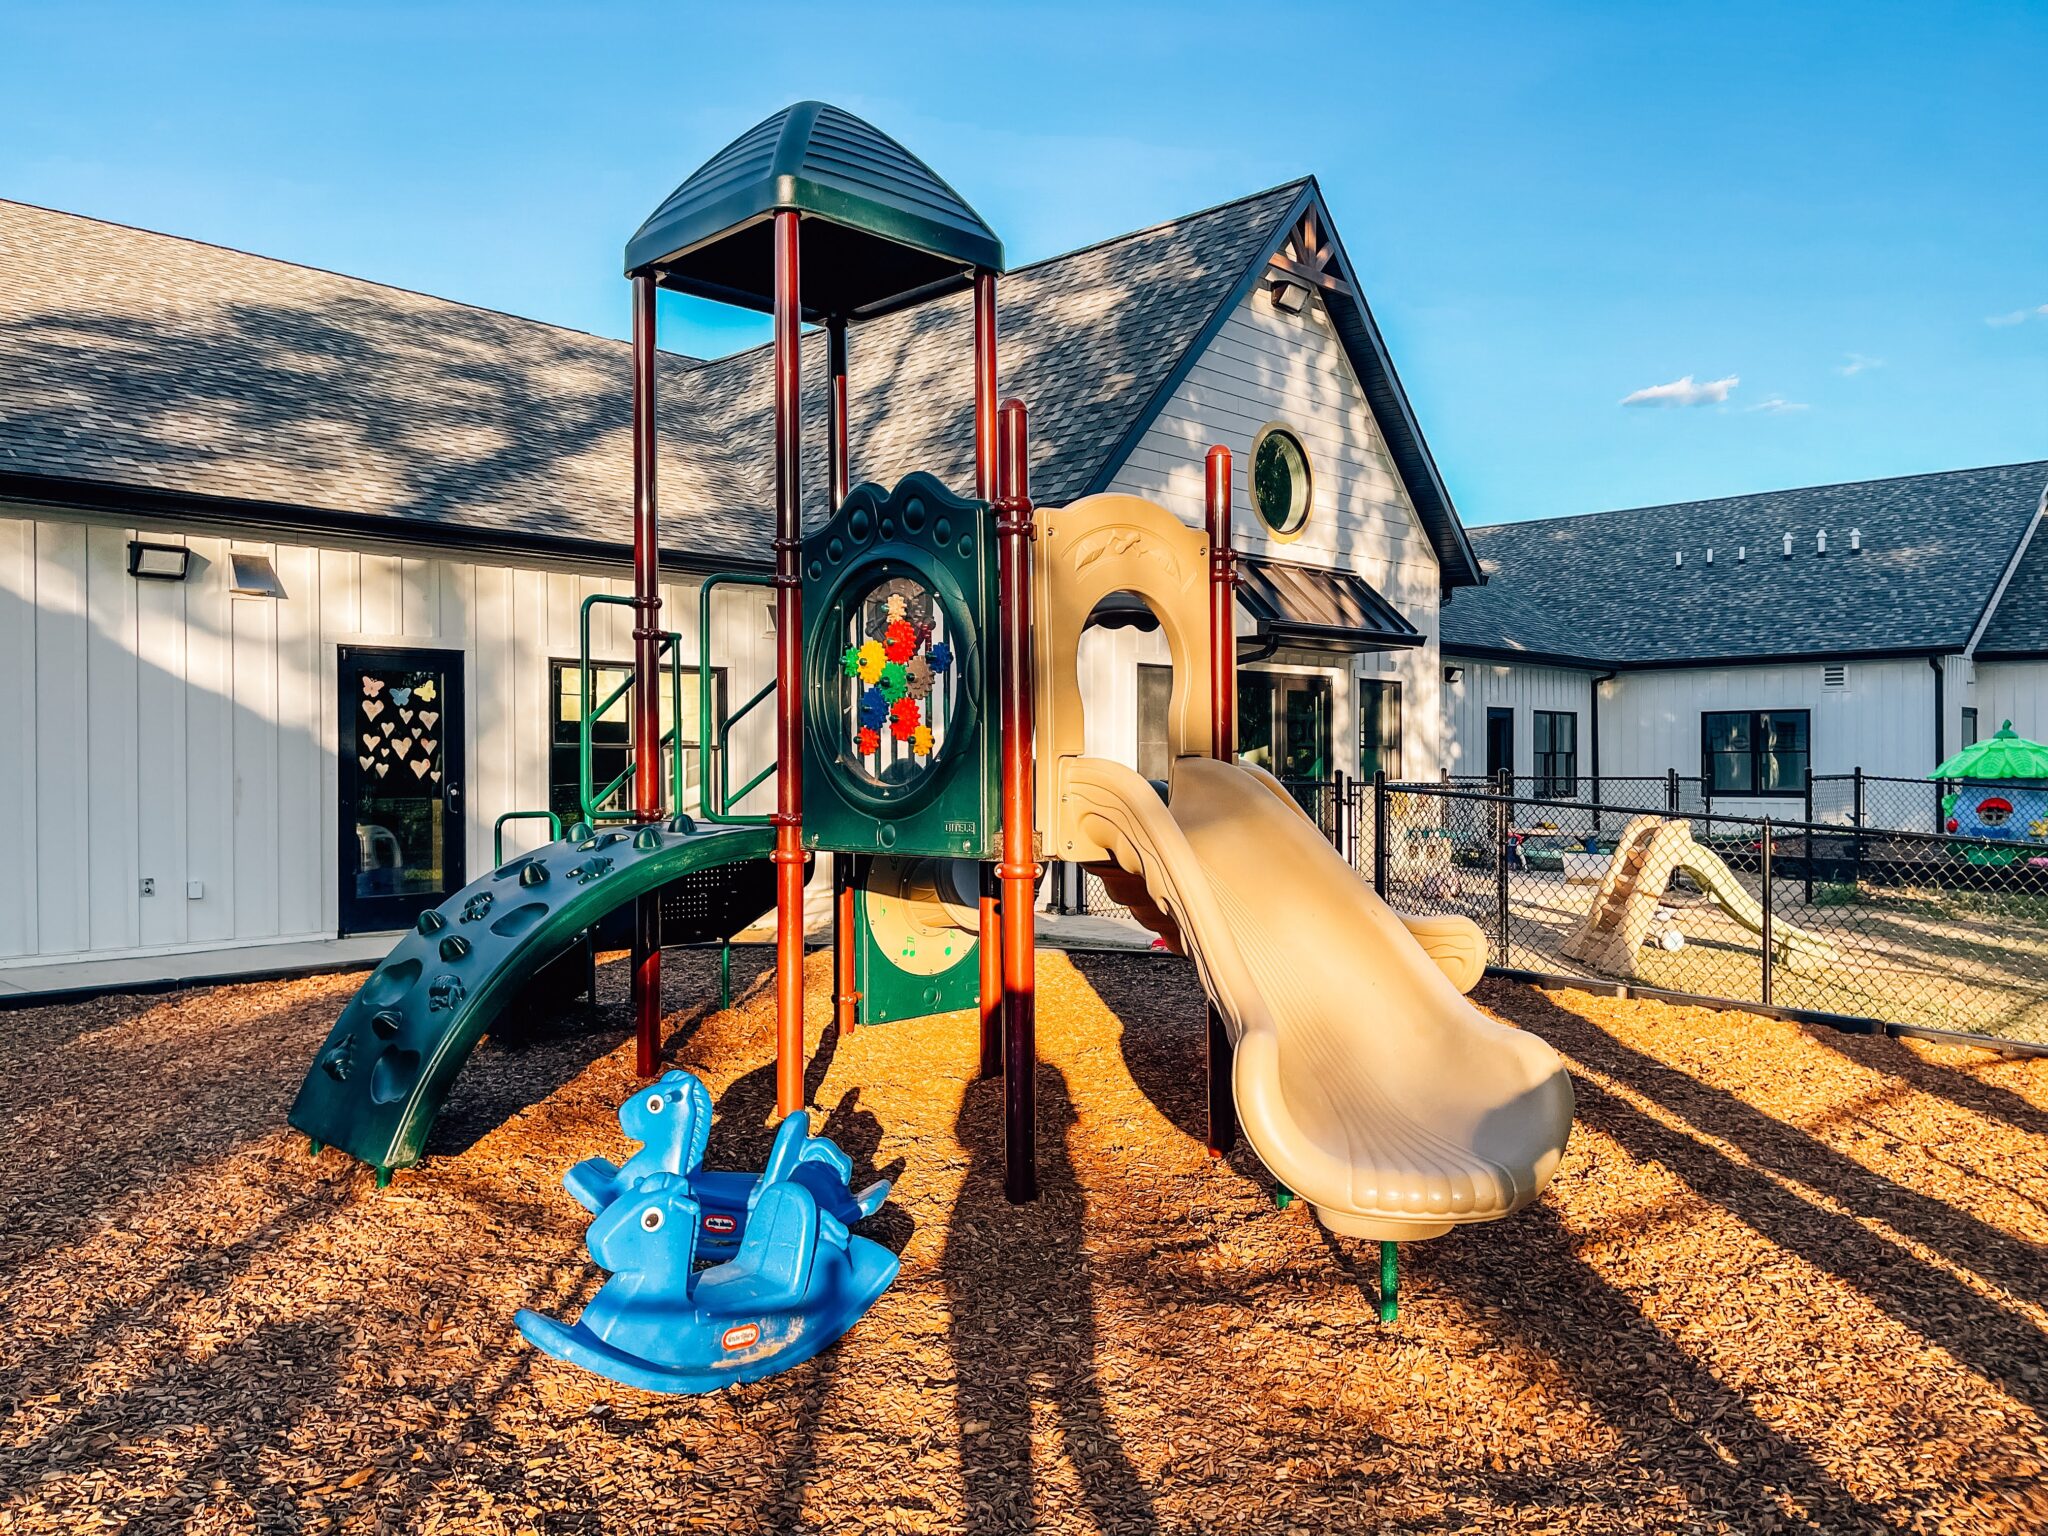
[(651, 1220), (654, 1104)]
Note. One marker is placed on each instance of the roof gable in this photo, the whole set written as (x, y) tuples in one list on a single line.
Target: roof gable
[(1607, 589)]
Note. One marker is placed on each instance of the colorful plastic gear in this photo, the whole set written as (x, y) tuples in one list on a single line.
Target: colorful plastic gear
[(874, 708), (872, 660), (904, 719), (851, 661), (899, 641), (895, 681), (868, 742), (921, 741), (917, 673), (942, 657), (896, 607)]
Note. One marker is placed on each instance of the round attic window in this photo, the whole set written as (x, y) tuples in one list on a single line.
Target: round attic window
[(1283, 485)]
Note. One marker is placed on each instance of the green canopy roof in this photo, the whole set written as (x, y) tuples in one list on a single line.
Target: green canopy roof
[(2007, 755), (879, 228)]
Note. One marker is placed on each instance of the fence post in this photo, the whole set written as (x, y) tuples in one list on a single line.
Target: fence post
[(1340, 824), (1379, 832), (1671, 790), (1770, 910), (1809, 836), (1505, 824), (1856, 817)]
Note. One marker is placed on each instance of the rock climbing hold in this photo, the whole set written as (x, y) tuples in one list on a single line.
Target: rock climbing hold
[(431, 921), (445, 992), (577, 832), (454, 947), (682, 824), (647, 839), (387, 1024), (477, 905), (534, 874)]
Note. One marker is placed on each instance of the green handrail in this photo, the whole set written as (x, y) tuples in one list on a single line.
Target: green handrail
[(671, 646), (725, 796), (498, 831)]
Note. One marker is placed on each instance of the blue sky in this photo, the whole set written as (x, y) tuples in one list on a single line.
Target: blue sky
[(1831, 219)]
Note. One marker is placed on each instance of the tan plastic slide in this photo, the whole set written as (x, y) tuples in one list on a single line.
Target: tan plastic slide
[(1363, 1078), (1652, 849)]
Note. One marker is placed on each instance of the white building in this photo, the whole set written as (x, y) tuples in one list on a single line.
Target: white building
[(241, 500), (1883, 625)]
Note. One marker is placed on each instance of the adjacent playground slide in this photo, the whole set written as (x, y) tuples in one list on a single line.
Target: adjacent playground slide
[(1651, 850), (387, 1065), (1363, 1078)]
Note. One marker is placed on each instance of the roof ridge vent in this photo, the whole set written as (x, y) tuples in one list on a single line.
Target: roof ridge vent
[(1788, 545), (1710, 554), (1820, 546), (1855, 541), (1679, 558), (1742, 554)]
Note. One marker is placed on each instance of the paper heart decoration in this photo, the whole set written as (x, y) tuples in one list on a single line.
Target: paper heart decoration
[(372, 708), (401, 745), (428, 717), (388, 727), (372, 686), (428, 746), (382, 769), (405, 715), (370, 740), (437, 775), (419, 767), (364, 763), (426, 693)]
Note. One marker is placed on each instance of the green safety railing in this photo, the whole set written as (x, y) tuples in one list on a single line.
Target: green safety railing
[(671, 649), (722, 778), (498, 831)]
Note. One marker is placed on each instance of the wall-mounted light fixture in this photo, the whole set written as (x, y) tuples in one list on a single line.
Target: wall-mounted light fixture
[(1454, 674), (158, 562), (1289, 296), (253, 576)]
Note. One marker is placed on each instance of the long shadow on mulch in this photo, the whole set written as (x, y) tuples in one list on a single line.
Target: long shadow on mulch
[(1958, 1085), (2000, 1346), (1163, 1030), (1021, 1295)]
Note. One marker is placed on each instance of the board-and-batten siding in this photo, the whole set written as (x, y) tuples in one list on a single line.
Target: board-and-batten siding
[(1524, 689), (1264, 365), (2011, 690), (176, 731)]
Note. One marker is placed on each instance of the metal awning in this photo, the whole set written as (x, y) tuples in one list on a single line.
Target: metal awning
[(879, 230), (1309, 607)]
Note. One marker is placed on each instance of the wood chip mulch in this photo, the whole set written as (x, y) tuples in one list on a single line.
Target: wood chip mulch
[(1786, 1280)]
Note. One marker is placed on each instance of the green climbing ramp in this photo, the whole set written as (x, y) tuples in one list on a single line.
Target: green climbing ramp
[(386, 1067)]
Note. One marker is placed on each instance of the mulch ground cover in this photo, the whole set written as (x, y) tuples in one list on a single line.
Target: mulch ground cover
[(1786, 1280)]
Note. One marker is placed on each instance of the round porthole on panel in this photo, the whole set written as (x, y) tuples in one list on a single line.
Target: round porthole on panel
[(1282, 480)]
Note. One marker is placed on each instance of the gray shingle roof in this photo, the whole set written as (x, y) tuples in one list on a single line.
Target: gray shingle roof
[(144, 361), (1604, 588), (2019, 625)]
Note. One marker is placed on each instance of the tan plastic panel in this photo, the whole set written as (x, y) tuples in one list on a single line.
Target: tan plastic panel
[(1085, 552), (1363, 1079)]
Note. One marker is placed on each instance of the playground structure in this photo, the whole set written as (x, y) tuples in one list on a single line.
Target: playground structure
[(929, 729), (1624, 910)]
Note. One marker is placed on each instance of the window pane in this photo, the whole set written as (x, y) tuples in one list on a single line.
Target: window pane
[(1729, 772), (1155, 693), (1728, 732), (1255, 718), (1379, 728)]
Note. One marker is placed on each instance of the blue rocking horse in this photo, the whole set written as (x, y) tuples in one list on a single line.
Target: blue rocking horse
[(799, 1280), (671, 1120)]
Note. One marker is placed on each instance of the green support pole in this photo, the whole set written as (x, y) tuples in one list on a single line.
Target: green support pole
[(383, 1178), (725, 974), (1390, 1304)]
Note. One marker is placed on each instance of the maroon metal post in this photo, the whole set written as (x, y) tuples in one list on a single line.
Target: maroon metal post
[(1018, 870), (647, 776), (988, 906), (788, 857), (845, 993), (1223, 747)]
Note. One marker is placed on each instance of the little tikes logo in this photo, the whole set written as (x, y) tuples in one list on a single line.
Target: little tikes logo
[(719, 1224), (740, 1337)]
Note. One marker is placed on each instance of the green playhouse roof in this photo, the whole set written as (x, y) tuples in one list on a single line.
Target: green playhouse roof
[(2006, 755), (880, 228)]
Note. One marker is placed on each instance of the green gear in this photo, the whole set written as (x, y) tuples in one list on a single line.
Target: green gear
[(895, 681), (851, 661)]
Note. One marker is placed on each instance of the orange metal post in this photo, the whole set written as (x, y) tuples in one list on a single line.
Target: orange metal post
[(1222, 746), (1018, 871), (991, 933), (788, 856), (647, 777)]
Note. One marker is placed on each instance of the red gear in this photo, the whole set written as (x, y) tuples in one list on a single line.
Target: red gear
[(899, 641), (869, 741), (903, 719)]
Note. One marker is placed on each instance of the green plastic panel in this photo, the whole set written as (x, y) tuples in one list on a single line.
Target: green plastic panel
[(899, 605), (889, 992), (387, 1065)]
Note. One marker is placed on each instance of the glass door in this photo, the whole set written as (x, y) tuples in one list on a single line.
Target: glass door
[(402, 834), (1304, 726)]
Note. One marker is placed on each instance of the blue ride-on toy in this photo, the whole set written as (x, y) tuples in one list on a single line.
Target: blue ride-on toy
[(671, 1119), (799, 1280)]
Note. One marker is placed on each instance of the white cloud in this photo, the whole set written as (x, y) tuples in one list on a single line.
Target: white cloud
[(1778, 403), (2019, 316), (1856, 362), (1684, 392)]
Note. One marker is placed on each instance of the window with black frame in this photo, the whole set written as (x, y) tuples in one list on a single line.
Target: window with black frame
[(1155, 696), (611, 735), (1379, 728), (1557, 754), (1755, 751)]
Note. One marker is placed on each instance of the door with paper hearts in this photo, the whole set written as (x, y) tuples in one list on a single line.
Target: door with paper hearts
[(402, 826)]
